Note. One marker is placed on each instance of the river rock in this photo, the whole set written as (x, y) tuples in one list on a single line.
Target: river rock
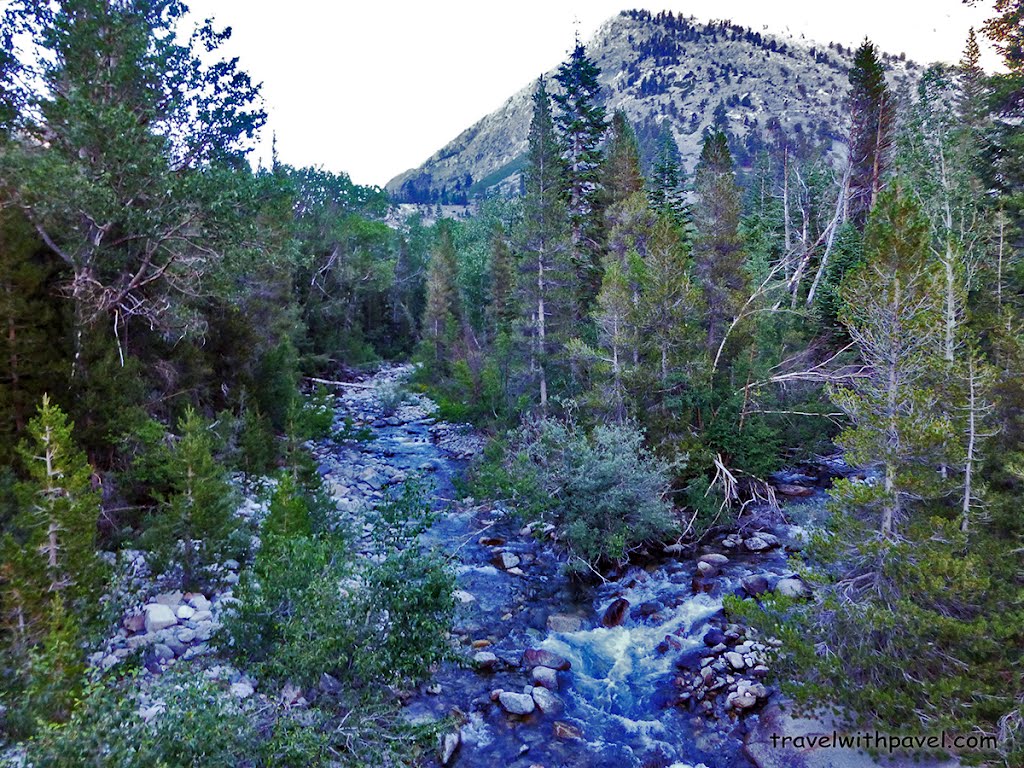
[(159, 616), (795, 491), (506, 560), (706, 569), (792, 587), (485, 661), (567, 731), (545, 677), (735, 660), (185, 612), (616, 613), (162, 652), (170, 599), (714, 637), (562, 622), (760, 542), (199, 602), (649, 608), (516, 703), (242, 689), (448, 746), (200, 616), (754, 584), (713, 558), (541, 657), (545, 700), (135, 623), (742, 700)]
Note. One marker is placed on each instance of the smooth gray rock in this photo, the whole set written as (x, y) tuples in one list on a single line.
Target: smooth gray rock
[(545, 700), (516, 703), (159, 616)]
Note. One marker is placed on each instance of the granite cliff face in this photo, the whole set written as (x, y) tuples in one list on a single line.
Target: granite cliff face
[(666, 67)]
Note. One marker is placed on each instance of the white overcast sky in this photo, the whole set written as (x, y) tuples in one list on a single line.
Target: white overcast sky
[(373, 88)]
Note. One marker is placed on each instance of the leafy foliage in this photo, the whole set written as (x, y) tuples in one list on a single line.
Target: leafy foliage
[(603, 490)]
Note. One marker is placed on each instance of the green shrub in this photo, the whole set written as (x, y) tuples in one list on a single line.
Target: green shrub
[(257, 447), (193, 526), (200, 726), (307, 606), (604, 490), (390, 396)]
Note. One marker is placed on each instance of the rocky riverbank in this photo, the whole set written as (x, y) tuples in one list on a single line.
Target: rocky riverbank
[(641, 670)]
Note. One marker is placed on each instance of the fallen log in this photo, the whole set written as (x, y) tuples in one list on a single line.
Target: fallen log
[(332, 383)]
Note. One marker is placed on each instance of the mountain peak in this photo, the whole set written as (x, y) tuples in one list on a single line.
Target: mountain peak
[(665, 66)]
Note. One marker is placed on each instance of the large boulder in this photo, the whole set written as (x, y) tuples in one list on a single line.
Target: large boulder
[(754, 584), (792, 587), (516, 703), (159, 616), (616, 613)]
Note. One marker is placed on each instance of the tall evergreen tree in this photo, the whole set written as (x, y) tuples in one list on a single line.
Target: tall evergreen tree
[(718, 249), (671, 305), (546, 282), (441, 314), (620, 175), (893, 314), (502, 307), (937, 158), (873, 119), (53, 549), (666, 186), (580, 118)]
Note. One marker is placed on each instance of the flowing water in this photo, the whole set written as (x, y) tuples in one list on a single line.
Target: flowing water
[(619, 705)]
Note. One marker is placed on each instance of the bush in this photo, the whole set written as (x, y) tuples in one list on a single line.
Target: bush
[(604, 490), (390, 396), (193, 525), (199, 726), (308, 607)]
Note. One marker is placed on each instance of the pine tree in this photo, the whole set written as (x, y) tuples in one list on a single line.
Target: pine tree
[(441, 314), (718, 249), (611, 359), (671, 305), (893, 314), (1006, 31), (873, 116), (60, 510), (545, 281), (666, 187), (581, 127), (973, 87), (197, 518), (289, 512), (502, 307), (938, 153), (620, 173)]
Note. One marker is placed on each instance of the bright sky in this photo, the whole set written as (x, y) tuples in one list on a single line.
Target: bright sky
[(373, 87)]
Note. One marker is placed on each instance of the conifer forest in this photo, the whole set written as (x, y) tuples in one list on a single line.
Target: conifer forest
[(677, 441)]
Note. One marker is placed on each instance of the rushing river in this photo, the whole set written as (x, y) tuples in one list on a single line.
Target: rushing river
[(618, 705)]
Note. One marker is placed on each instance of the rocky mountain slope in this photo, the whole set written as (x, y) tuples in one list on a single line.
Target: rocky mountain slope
[(666, 67)]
